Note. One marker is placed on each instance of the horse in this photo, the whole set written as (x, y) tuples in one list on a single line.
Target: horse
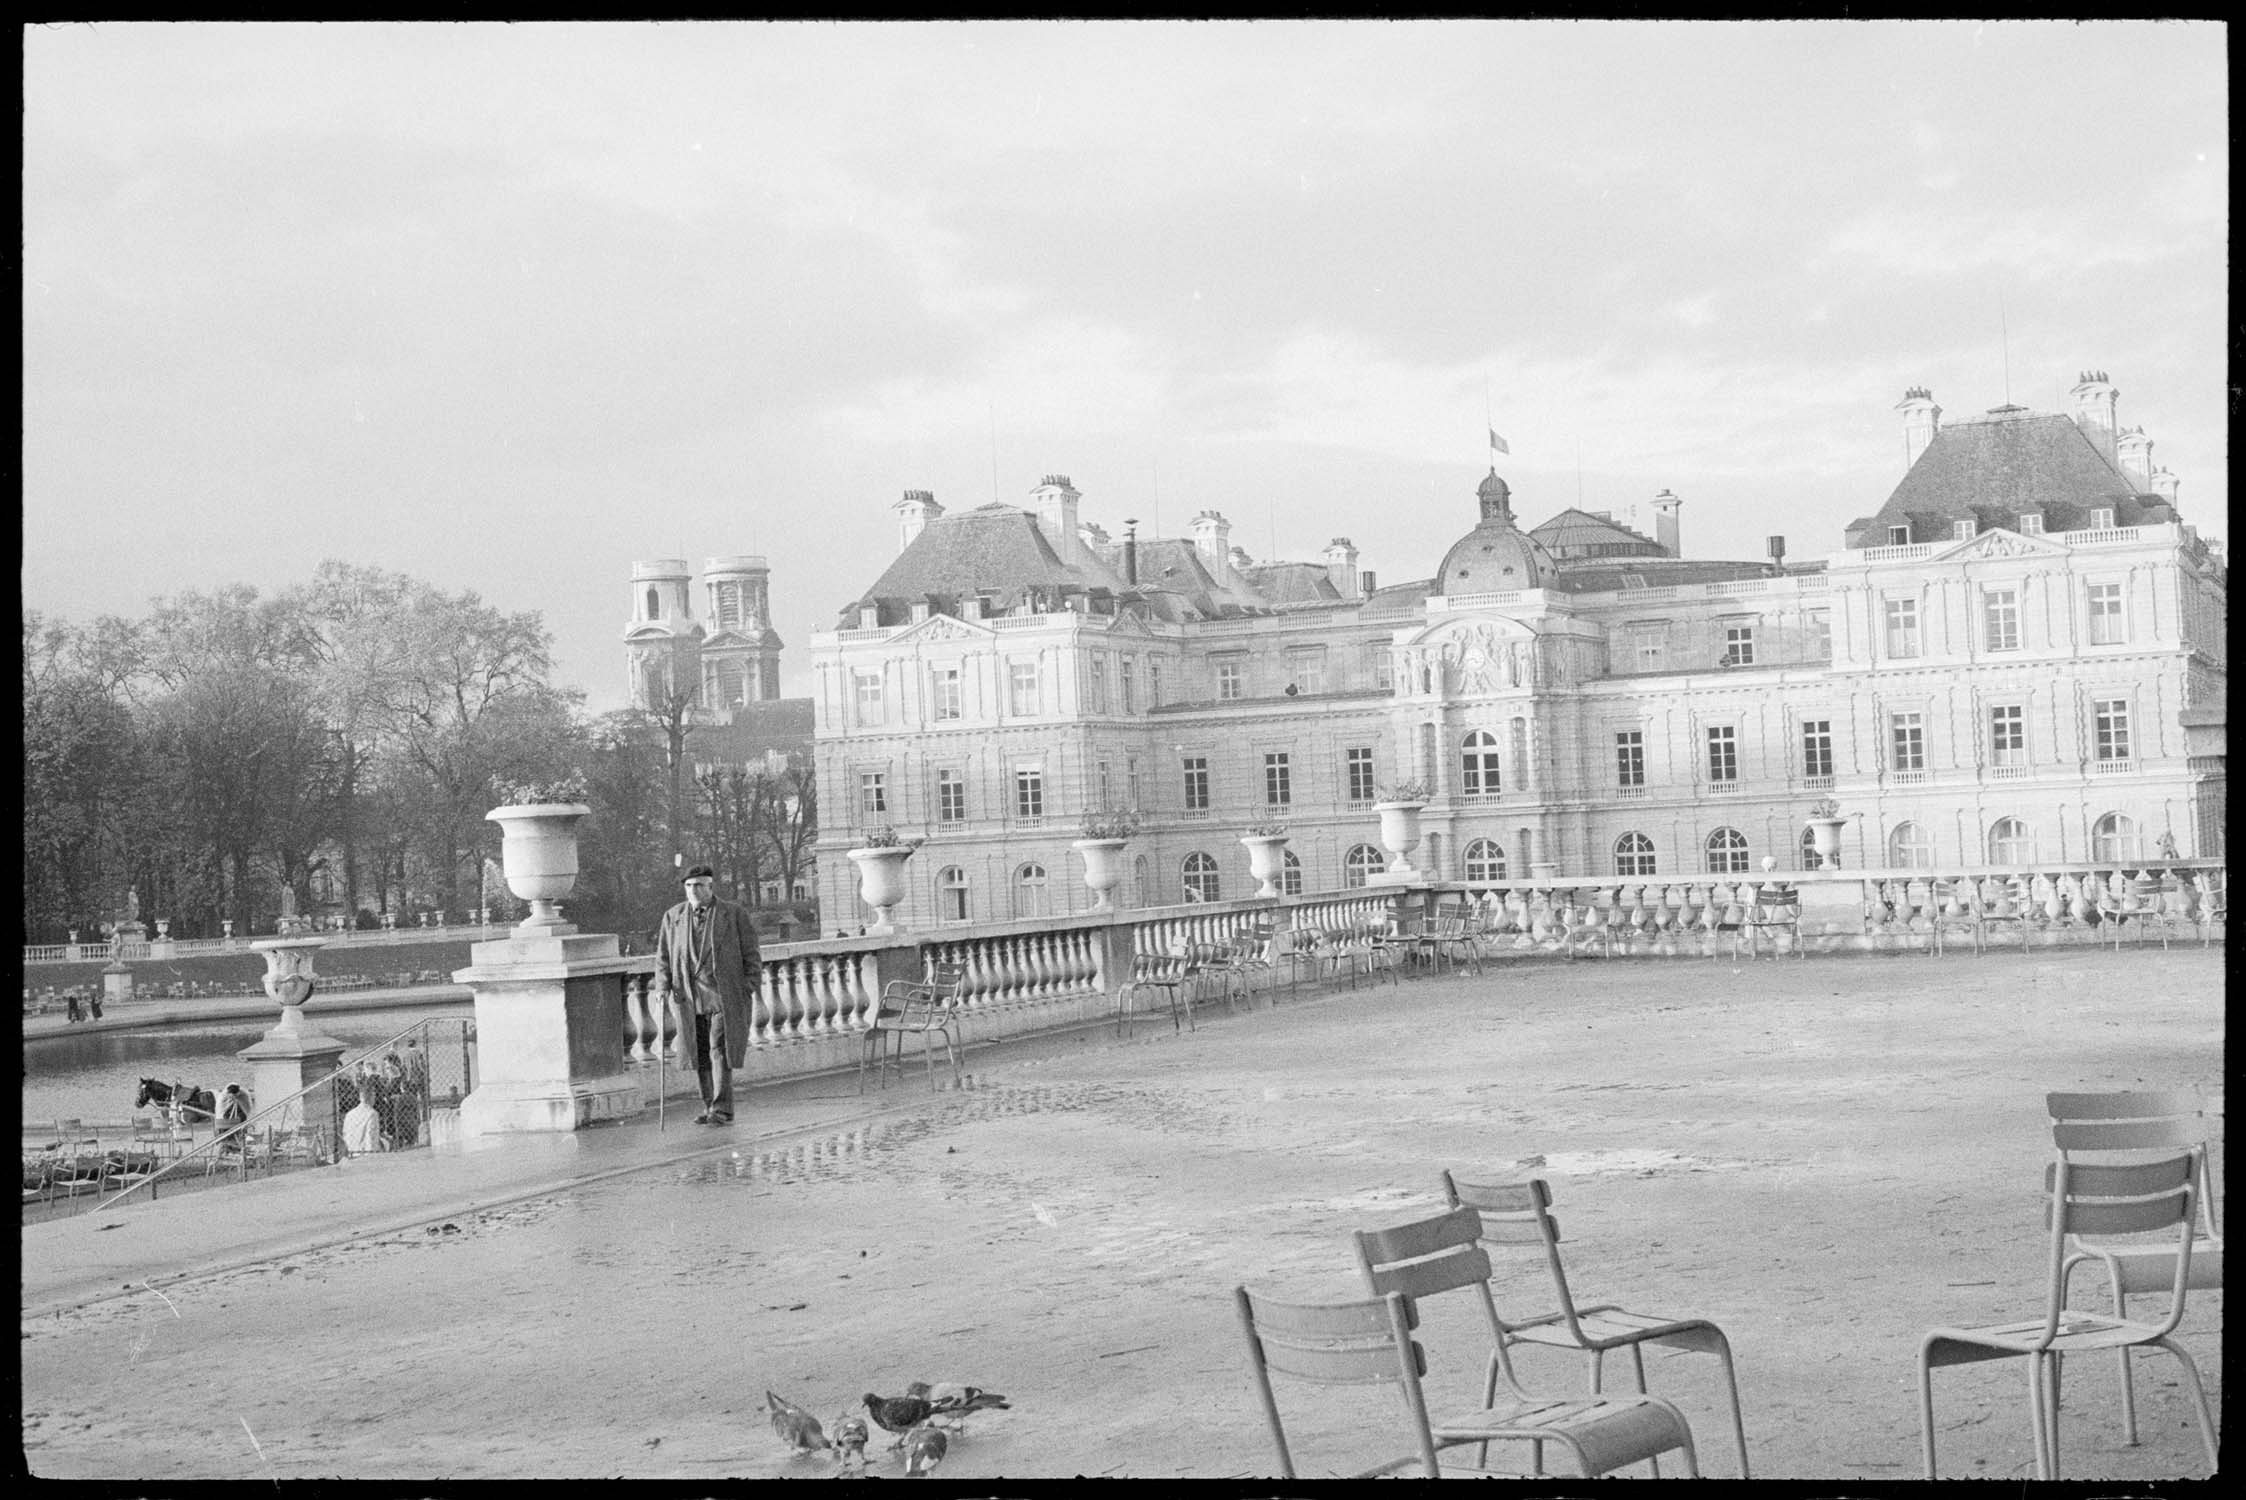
[(180, 1103)]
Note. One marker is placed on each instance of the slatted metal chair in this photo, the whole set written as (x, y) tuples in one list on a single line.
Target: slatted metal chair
[(2086, 1200), (1446, 939), (1775, 910), (1353, 1344), (1519, 1215), (1164, 974), (1302, 949), (1604, 1433), (2086, 1126), (1584, 923), (1216, 963), (927, 1009)]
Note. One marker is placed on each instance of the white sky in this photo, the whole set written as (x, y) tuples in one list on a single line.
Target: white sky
[(508, 307)]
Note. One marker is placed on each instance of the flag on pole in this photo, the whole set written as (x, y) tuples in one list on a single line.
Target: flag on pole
[(1497, 444)]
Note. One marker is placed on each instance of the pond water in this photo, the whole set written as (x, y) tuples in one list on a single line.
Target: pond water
[(94, 1075)]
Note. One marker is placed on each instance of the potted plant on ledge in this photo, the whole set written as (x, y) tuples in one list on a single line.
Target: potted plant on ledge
[(881, 873), (1267, 855), (1825, 823), (538, 823), (1106, 831), (1399, 808)]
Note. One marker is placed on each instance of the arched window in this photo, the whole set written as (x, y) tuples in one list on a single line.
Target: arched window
[(1910, 847), (1200, 877), (1633, 855), (654, 609), (1360, 864), (2114, 837), (2010, 843), (1139, 892), (1481, 764), (1727, 852), (1807, 850), (951, 894), (1485, 860), (1290, 874), (1031, 897)]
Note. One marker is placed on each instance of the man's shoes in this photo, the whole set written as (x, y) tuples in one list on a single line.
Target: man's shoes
[(718, 1120), (702, 1118)]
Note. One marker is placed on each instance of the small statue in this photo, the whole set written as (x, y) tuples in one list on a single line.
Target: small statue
[(2167, 844)]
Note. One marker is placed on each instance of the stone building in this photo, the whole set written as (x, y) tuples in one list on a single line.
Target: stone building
[(2018, 658)]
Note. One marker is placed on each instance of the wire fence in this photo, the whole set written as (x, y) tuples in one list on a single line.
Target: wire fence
[(401, 1094)]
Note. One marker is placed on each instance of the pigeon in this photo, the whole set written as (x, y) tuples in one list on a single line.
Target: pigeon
[(850, 1447), (957, 1400), (924, 1449), (797, 1428), (898, 1414)]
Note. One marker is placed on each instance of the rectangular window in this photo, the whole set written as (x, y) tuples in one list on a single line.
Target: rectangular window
[(2111, 725), (1629, 757), (1739, 645), (1101, 780), (1358, 764), (2101, 519), (1096, 686), (2008, 735), (1231, 677), (1902, 627), (1306, 670), (2000, 617), (873, 794), (1154, 697), (1723, 753), (1817, 747), (944, 692), (869, 697), (2031, 523), (2105, 615), (1961, 531), (1898, 536), (951, 797), (1649, 643), (1021, 689), (1278, 788), (1821, 634), (1029, 792), (1380, 667), (1131, 781), (1130, 685), (1196, 783), (1907, 732)]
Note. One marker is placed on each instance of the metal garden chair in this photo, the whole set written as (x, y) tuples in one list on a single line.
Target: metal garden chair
[(927, 1009), (1519, 1214), (1164, 973), (2086, 1199), (1352, 1344), (1604, 1433), (2137, 1121)]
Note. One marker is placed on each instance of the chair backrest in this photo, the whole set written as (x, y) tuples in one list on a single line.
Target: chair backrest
[(2136, 1120), (1773, 895), (946, 980), (1346, 1343), (1518, 1214), (1430, 1256), (2104, 1198)]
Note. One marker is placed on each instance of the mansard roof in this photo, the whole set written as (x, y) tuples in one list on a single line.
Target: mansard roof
[(1993, 469), (1614, 574), (1575, 534), (1291, 583), (994, 549)]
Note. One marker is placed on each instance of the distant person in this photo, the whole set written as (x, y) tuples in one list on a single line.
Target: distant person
[(93, 1002), (362, 1127), (70, 1003), (233, 1115), (401, 1118), (707, 963)]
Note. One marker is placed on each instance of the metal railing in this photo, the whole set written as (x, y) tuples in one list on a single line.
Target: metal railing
[(315, 1127)]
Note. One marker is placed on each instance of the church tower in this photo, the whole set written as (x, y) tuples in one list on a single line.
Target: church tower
[(741, 655), (663, 642)]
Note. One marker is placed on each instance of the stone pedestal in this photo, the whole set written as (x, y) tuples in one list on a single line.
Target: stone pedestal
[(116, 982), (295, 1052), (549, 1033)]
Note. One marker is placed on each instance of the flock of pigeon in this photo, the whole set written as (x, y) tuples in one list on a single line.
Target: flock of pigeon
[(924, 1419)]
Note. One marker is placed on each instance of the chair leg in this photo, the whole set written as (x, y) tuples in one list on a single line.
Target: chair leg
[(2128, 1387), (2038, 1389), (1731, 1385), (1926, 1410), (2199, 1399)]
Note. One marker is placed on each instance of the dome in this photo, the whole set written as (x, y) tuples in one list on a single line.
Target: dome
[(1496, 555)]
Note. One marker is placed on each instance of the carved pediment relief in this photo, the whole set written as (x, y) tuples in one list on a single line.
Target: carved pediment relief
[(944, 628), (1998, 543), (1475, 657)]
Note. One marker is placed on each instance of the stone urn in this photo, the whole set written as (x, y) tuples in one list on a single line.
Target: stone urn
[(1267, 861), (1399, 833), (881, 882), (1824, 834), (538, 853), (1103, 869), (288, 977)]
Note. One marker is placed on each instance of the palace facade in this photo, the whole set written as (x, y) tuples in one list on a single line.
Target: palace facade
[(2018, 658)]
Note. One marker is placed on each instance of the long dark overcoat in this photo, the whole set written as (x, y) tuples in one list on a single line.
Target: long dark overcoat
[(740, 968)]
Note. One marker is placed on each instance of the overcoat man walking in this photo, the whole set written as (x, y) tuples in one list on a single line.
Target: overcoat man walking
[(707, 969)]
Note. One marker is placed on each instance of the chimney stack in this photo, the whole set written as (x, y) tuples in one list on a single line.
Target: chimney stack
[(2165, 485), (914, 512), (1665, 508), (1776, 546), (1212, 538), (1368, 584), (2134, 450), (2097, 406), (1341, 566), (1131, 549), (1921, 420), (1055, 500)]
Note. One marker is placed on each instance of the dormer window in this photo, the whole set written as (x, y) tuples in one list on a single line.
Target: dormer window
[(1961, 531), (1899, 536), (2031, 523), (2101, 519)]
